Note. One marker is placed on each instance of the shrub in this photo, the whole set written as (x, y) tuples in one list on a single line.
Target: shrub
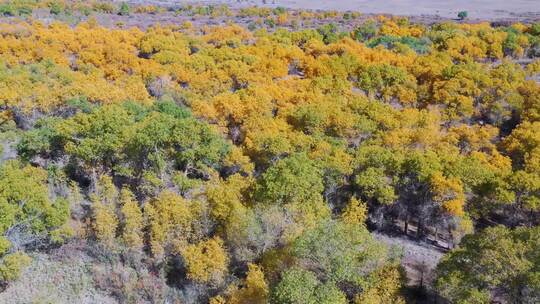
[(24, 10), (365, 31), (7, 10), (330, 33), (279, 11), (104, 7), (12, 265), (252, 26), (419, 45), (55, 8), (535, 29), (270, 22), (124, 9)]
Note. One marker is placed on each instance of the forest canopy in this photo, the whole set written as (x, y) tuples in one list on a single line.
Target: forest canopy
[(225, 164)]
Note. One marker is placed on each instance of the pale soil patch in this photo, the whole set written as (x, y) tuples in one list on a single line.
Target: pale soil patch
[(477, 9), (52, 280), (418, 258)]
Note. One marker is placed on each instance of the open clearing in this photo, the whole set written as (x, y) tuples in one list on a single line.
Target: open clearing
[(477, 9)]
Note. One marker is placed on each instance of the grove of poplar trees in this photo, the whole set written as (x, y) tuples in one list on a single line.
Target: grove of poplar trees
[(220, 164)]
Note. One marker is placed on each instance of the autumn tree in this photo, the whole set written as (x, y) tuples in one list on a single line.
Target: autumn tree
[(170, 219), (104, 208), (132, 220), (302, 286), (255, 288), (497, 262), (206, 261), (28, 215)]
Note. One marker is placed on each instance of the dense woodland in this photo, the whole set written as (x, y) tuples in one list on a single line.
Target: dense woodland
[(200, 164)]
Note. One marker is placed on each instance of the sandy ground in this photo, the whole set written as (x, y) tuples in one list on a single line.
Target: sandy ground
[(419, 259), (477, 9)]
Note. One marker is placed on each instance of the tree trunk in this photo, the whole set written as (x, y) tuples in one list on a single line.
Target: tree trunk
[(419, 228), (406, 225), (451, 241)]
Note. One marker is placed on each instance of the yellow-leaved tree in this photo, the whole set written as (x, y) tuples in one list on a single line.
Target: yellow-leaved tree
[(105, 220), (255, 289), (206, 261), (133, 223), (169, 218)]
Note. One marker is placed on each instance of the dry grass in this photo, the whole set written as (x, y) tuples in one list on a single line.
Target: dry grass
[(50, 280)]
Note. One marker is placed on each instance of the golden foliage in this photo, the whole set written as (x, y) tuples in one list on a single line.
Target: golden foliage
[(206, 261), (255, 290), (133, 224), (355, 212), (170, 218)]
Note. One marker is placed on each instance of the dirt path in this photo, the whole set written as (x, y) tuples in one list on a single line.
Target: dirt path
[(419, 259)]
